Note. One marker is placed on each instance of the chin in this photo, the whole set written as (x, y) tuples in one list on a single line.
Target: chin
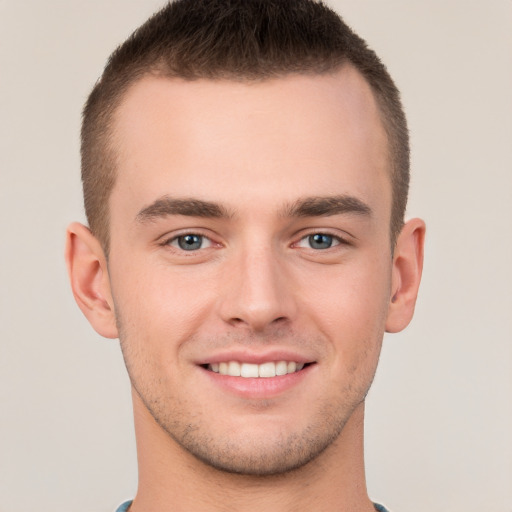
[(260, 459), (263, 449)]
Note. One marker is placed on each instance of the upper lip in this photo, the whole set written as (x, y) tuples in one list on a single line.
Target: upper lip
[(256, 357)]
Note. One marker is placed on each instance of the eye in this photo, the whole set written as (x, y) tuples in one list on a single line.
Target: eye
[(319, 241), (190, 242)]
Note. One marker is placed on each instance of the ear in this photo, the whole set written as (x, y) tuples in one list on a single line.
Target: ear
[(406, 275), (88, 273)]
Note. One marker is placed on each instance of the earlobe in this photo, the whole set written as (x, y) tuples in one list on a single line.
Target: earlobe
[(88, 274), (406, 275)]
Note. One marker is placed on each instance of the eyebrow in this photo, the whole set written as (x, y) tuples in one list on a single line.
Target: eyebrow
[(317, 206), (166, 205), (324, 206)]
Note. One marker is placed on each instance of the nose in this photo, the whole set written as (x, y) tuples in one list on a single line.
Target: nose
[(257, 292)]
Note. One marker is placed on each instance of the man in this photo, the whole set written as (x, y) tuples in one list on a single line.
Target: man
[(245, 172)]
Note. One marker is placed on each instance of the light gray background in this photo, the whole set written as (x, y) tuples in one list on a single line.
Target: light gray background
[(439, 418)]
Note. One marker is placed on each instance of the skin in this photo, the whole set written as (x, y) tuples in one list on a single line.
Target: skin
[(256, 156)]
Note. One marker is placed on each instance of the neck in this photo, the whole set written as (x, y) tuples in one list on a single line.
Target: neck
[(173, 480)]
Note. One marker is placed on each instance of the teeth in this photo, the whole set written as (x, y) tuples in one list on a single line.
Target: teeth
[(282, 368), (248, 370), (267, 370), (234, 368)]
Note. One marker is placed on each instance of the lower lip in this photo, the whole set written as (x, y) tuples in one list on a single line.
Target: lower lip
[(261, 387)]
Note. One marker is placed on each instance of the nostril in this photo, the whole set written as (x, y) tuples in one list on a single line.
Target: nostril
[(279, 323), (256, 318)]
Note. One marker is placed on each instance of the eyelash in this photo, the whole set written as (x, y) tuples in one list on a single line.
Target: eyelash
[(336, 239), (170, 242)]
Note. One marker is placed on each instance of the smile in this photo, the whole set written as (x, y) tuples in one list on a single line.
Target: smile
[(250, 370)]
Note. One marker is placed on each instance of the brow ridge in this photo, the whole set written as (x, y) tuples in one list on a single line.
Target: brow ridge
[(191, 207), (314, 206), (323, 206)]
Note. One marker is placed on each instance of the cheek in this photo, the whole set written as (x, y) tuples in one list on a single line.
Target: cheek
[(351, 309), (160, 306)]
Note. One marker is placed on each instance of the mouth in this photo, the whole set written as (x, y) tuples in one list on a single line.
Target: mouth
[(256, 371), (253, 376)]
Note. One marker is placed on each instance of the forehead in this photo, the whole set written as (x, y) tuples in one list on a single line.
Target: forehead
[(244, 142)]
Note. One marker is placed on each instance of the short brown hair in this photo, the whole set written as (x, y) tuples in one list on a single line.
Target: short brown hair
[(233, 40)]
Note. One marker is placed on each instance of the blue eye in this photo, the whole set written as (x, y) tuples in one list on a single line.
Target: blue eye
[(319, 241), (190, 242)]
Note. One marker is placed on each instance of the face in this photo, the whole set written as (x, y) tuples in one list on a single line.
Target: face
[(250, 262)]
